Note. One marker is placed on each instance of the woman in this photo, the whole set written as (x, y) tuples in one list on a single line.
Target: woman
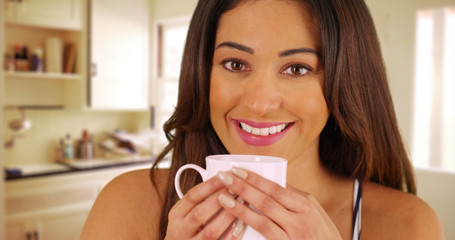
[(303, 80)]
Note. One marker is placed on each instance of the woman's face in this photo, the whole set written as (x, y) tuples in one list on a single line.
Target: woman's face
[(266, 83)]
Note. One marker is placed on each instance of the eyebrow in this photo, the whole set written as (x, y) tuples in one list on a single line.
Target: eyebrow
[(284, 53), (299, 50), (236, 46)]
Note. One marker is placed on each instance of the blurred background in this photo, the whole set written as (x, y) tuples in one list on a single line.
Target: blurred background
[(86, 85)]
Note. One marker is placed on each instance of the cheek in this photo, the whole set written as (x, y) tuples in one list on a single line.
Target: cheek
[(219, 98), (312, 107), (224, 93), (317, 107)]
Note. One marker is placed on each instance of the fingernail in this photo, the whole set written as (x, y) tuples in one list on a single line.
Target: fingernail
[(239, 225), (225, 178), (231, 192), (240, 200), (239, 172), (226, 201)]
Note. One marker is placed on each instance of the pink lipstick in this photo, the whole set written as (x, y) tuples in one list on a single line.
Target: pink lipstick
[(261, 133)]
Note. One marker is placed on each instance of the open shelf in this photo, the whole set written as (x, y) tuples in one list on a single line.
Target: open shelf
[(42, 75), (34, 107)]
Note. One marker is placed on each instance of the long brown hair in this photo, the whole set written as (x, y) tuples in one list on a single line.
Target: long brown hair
[(361, 138)]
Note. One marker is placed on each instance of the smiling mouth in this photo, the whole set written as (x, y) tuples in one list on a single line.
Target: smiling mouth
[(263, 131)]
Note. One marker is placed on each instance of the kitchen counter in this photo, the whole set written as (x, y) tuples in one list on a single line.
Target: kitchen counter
[(47, 169)]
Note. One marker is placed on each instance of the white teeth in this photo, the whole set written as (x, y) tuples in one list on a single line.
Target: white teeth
[(263, 131), (245, 127), (272, 130)]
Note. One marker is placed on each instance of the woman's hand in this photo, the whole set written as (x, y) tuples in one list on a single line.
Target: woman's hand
[(198, 215), (287, 213)]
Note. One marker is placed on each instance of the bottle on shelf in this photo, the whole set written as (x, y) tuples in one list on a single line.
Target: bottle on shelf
[(68, 149), (37, 60), (59, 151), (85, 146), (25, 59), (17, 58), (9, 62), (21, 58)]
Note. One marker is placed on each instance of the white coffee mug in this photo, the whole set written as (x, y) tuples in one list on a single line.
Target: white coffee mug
[(272, 168)]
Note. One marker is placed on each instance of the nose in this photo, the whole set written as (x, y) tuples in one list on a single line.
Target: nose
[(262, 94)]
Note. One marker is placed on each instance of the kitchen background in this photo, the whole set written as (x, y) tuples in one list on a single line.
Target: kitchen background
[(141, 89)]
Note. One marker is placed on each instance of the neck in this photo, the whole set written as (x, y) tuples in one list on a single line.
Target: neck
[(309, 175), (332, 191)]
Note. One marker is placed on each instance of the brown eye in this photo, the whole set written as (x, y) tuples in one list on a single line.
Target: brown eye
[(296, 70), (234, 66)]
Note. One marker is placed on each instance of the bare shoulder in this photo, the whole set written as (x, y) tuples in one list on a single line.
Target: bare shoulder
[(392, 214), (128, 207)]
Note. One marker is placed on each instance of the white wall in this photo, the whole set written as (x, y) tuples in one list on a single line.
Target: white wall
[(438, 190), (164, 9), (395, 22)]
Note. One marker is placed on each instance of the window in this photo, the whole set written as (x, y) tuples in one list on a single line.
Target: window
[(171, 37), (434, 97)]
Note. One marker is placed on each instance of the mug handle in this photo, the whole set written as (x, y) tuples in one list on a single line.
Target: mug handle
[(179, 172)]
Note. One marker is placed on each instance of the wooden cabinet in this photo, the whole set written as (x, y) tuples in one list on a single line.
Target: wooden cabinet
[(112, 42), (49, 226), (64, 14), (54, 207), (30, 23), (119, 54)]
